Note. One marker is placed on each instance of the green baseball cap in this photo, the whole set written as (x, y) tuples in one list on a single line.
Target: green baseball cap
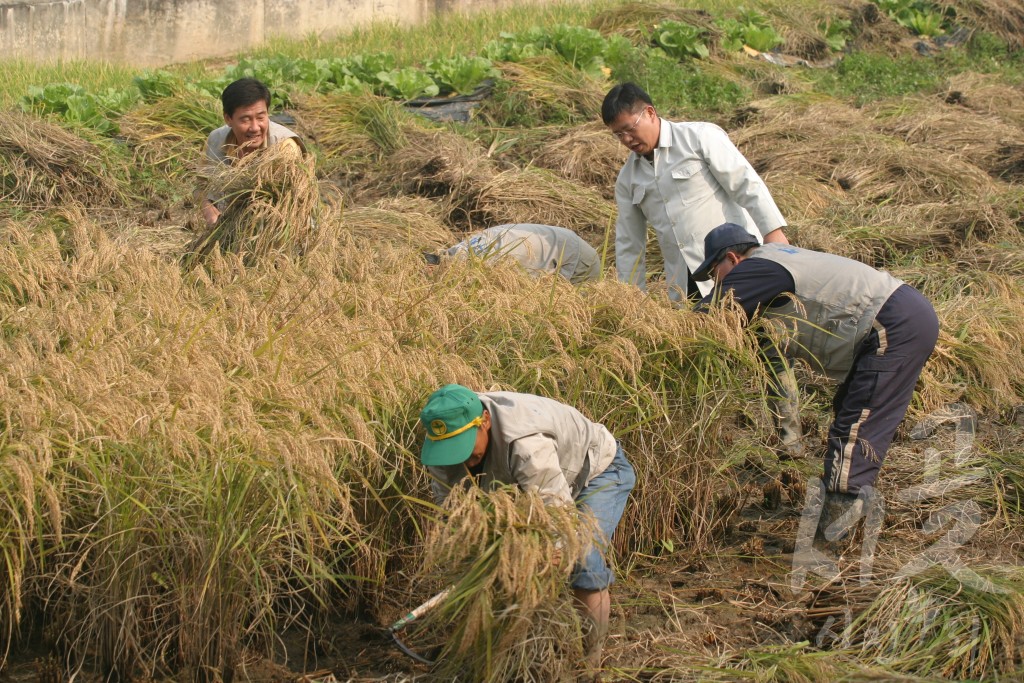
[(451, 418)]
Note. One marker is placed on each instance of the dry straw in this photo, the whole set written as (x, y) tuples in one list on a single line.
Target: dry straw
[(42, 164), (631, 18), (271, 206), (407, 220), (957, 626), (835, 145), (538, 196), (166, 133), (981, 139), (543, 89), (587, 154), (510, 615), (1003, 18), (988, 95)]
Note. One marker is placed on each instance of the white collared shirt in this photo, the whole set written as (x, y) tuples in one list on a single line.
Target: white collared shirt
[(697, 181)]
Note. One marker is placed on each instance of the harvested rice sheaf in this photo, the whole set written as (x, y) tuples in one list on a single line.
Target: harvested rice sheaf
[(272, 204), (42, 164), (543, 89), (510, 615), (955, 621), (536, 195), (586, 154), (168, 132), (405, 220)]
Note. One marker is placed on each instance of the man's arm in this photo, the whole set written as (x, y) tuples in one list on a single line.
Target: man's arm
[(742, 183), (207, 208), (755, 283), (630, 238)]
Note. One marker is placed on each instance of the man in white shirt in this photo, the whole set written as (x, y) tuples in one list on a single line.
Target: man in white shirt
[(685, 179)]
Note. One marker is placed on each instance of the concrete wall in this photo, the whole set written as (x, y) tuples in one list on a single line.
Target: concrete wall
[(156, 32)]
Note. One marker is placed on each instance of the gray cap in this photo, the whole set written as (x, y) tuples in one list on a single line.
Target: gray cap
[(717, 242)]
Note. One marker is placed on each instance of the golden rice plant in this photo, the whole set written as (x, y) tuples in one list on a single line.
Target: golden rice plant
[(272, 205), (183, 522), (30, 510), (510, 615), (979, 328)]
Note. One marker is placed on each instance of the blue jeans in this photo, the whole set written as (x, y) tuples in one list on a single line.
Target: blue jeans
[(605, 496)]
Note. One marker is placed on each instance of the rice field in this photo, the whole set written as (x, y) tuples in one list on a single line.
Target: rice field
[(209, 440)]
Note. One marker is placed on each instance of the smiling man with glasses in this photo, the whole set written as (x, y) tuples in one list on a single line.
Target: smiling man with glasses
[(684, 179)]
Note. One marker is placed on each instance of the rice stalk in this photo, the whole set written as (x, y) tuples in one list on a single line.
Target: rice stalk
[(988, 95), (168, 132), (544, 89), (539, 196), (635, 20), (439, 164), (510, 616), (977, 137), (1003, 18), (272, 206), (42, 164), (587, 155), (959, 626), (404, 220)]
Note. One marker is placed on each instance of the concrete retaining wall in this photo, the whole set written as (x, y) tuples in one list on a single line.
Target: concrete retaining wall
[(156, 32)]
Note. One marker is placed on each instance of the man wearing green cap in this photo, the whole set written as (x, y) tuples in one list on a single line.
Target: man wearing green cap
[(541, 445)]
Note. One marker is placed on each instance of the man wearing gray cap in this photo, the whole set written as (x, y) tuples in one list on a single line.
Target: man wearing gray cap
[(857, 325)]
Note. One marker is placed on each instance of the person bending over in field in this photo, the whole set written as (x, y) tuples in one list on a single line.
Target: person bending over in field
[(859, 326), (684, 179), (247, 128), (538, 248), (541, 445)]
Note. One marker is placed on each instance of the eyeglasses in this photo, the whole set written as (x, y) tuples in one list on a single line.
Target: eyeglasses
[(621, 134)]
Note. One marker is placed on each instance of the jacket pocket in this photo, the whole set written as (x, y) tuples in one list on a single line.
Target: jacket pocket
[(688, 179)]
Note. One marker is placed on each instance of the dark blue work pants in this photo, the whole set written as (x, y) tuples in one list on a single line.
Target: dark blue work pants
[(872, 400)]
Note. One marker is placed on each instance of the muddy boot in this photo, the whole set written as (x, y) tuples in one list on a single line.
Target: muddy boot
[(839, 516)]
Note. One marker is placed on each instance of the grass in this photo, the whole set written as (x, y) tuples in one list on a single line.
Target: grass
[(18, 75)]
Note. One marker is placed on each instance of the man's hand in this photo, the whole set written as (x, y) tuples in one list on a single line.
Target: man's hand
[(210, 214)]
